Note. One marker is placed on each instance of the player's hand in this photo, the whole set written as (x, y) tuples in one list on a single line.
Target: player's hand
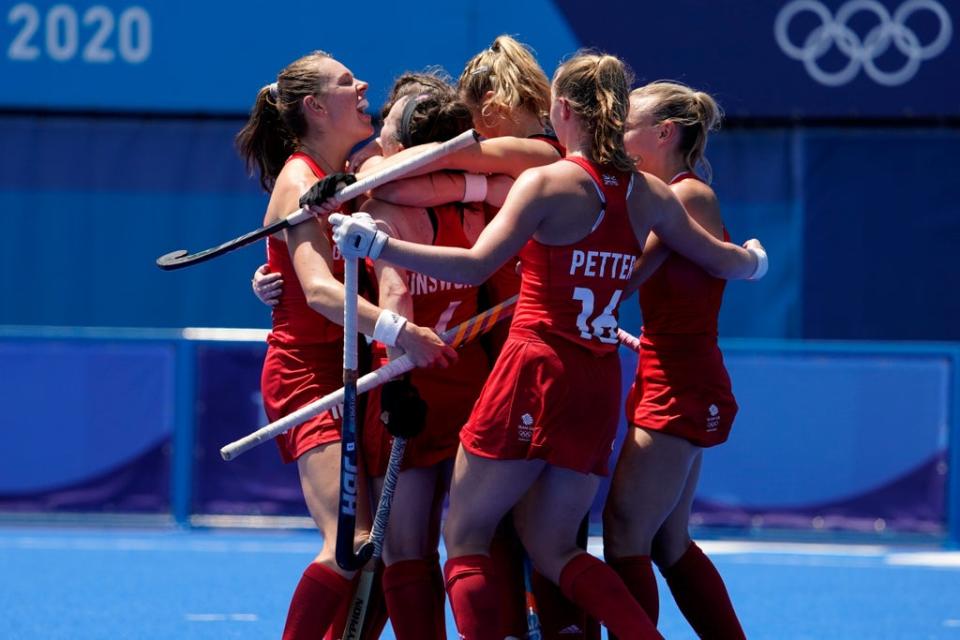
[(326, 188), (424, 347), (357, 235), (403, 411), (498, 186), (267, 285)]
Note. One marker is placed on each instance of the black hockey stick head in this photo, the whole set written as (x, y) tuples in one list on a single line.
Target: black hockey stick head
[(172, 260), (348, 560), (180, 258)]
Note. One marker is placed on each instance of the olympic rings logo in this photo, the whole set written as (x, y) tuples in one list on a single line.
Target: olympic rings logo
[(862, 53)]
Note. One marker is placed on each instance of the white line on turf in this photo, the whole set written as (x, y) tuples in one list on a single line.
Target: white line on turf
[(818, 554), (221, 617)]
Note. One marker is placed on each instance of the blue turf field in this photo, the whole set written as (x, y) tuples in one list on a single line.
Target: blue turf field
[(82, 584)]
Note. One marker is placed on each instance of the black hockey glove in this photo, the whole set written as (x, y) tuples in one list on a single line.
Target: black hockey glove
[(403, 411), (326, 188)]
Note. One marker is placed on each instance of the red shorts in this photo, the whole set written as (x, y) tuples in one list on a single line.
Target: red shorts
[(449, 393), (296, 376), (547, 399), (503, 284), (682, 388)]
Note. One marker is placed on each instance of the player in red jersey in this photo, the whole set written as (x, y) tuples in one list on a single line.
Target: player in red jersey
[(681, 401), (300, 130), (412, 579), (508, 95), (422, 108), (542, 429), (268, 285)]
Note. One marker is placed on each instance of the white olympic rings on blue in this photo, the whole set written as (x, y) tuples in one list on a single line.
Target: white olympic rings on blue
[(862, 53)]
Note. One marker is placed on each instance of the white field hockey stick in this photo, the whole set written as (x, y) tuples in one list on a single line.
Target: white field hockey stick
[(464, 332), (180, 258)]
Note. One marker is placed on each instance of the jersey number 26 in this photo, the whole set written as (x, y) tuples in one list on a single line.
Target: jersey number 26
[(603, 326)]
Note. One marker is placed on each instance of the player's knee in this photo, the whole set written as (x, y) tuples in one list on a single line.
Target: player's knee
[(466, 536), (626, 532), (411, 546), (550, 559), (668, 547)]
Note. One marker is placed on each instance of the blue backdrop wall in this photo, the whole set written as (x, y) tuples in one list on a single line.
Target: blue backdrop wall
[(859, 225)]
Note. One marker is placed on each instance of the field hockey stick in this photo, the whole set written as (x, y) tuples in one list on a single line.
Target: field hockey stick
[(358, 608), (347, 558), (534, 631), (180, 258), (464, 332)]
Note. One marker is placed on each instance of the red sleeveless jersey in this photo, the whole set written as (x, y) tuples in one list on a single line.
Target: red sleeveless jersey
[(437, 303), (681, 297), (573, 291), (294, 322), (505, 281), (449, 393)]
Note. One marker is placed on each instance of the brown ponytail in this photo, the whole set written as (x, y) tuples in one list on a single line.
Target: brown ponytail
[(276, 121), (597, 88)]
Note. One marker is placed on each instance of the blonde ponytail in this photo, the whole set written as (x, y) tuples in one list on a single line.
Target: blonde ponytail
[(597, 88), (695, 113), (508, 70)]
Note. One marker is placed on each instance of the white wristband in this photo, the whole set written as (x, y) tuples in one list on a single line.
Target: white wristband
[(762, 263), (474, 187), (377, 244), (388, 327)]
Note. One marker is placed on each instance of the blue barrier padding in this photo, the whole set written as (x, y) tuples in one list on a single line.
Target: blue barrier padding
[(844, 432), (953, 464), (75, 411), (182, 478), (229, 406), (829, 426)]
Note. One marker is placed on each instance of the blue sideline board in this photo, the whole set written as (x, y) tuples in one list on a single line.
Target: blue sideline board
[(856, 437), (785, 58)]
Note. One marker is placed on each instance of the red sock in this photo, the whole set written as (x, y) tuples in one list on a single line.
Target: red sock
[(702, 597), (339, 623), (440, 593), (592, 632), (559, 618), (411, 601), (600, 592), (637, 573), (506, 553), (374, 618), (315, 602), (472, 588)]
